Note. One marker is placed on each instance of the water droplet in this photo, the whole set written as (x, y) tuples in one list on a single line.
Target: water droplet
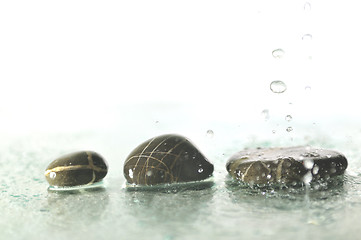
[(273, 131), (278, 86), (278, 53), (52, 175), (289, 129), (307, 7), (269, 176), (265, 114), (315, 169), (200, 170), (307, 37), (307, 178), (210, 133), (288, 118), (130, 173), (149, 173), (308, 163)]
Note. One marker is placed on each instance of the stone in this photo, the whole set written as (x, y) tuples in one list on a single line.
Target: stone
[(285, 165), (166, 159), (75, 169)]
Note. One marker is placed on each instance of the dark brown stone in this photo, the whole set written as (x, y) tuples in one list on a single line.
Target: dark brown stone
[(166, 159), (285, 165), (79, 168)]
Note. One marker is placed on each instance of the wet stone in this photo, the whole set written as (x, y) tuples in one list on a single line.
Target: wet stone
[(75, 169), (166, 159), (285, 165)]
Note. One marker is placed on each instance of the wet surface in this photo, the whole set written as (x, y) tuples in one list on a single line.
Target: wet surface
[(218, 209)]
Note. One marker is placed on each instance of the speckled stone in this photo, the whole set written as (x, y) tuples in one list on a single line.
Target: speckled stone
[(285, 165), (166, 159), (75, 169)]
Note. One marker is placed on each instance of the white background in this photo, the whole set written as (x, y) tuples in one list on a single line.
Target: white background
[(72, 64)]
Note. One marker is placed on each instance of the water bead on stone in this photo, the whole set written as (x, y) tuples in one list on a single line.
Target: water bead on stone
[(308, 163), (286, 165), (170, 158), (75, 169), (278, 86)]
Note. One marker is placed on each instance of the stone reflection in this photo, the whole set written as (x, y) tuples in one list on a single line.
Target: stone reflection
[(165, 208), (285, 197), (69, 209)]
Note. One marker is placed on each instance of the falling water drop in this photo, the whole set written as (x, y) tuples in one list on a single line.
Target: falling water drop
[(308, 88), (307, 37), (265, 114), (278, 53), (210, 133), (307, 7), (288, 118), (289, 129), (278, 86)]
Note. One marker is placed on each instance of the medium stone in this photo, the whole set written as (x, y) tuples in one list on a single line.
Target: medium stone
[(166, 159), (286, 165), (79, 168)]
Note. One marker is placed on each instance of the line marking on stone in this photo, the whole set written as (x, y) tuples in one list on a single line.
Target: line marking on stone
[(150, 155), (93, 179), (91, 164), (279, 170), (245, 173), (136, 164), (74, 167)]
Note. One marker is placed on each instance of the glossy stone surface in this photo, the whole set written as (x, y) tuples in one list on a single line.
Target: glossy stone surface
[(285, 165), (79, 168), (166, 159)]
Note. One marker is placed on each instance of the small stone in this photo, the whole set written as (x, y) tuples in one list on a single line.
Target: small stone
[(171, 158), (285, 165), (75, 169)]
